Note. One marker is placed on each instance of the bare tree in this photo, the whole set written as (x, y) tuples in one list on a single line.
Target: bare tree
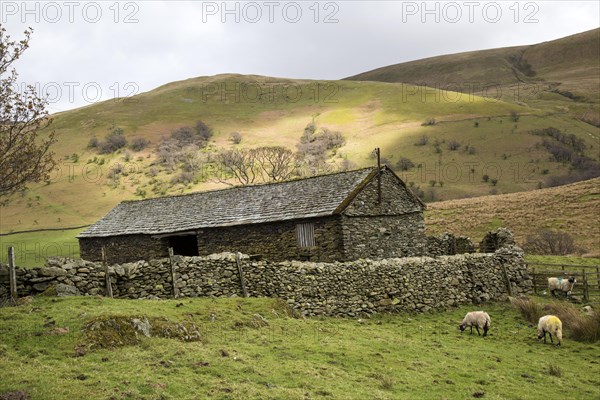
[(241, 163), (276, 162), (550, 242), (24, 157)]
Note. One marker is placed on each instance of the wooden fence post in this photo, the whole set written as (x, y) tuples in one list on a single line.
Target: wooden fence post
[(107, 282), (534, 284), (12, 274), (238, 260), (586, 289), (173, 274), (506, 279)]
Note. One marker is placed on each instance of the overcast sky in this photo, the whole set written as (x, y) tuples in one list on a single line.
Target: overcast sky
[(83, 52)]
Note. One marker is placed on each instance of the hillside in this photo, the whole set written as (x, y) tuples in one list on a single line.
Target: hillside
[(457, 145), (569, 64), (571, 208), (368, 114)]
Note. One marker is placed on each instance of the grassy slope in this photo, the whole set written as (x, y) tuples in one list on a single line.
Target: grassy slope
[(570, 63), (386, 357), (570, 208), (369, 114)]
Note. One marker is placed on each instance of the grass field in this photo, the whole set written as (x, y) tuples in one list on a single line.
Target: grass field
[(570, 208), (32, 249), (395, 356)]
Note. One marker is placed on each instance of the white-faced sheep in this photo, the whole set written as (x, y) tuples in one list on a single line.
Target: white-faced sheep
[(479, 319), (550, 324), (564, 285)]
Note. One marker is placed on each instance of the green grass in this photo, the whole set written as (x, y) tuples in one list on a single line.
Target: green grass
[(386, 357), (32, 249), (369, 114)]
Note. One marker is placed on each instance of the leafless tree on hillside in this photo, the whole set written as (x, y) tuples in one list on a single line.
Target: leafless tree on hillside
[(24, 156), (276, 162)]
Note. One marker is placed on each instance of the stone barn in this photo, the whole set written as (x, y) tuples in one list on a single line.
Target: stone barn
[(343, 216)]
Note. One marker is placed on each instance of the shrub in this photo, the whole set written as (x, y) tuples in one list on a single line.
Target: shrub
[(114, 141), (183, 136), (550, 242), (514, 116), (184, 178), (152, 172), (429, 122), (235, 137), (485, 178), (93, 143), (313, 146), (139, 144), (453, 145), (115, 171), (404, 164), (203, 131), (422, 141)]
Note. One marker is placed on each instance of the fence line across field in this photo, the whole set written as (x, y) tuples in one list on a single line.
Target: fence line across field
[(563, 266), (588, 282)]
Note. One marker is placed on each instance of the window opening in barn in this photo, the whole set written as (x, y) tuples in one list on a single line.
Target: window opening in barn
[(305, 235), (186, 245)]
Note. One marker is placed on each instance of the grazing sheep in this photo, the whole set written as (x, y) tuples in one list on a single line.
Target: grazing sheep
[(480, 319), (550, 324), (564, 285)]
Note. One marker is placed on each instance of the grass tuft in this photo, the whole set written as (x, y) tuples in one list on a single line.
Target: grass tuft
[(530, 309), (580, 327), (386, 381), (555, 370)]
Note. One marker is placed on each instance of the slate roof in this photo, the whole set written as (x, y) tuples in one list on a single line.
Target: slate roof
[(317, 196)]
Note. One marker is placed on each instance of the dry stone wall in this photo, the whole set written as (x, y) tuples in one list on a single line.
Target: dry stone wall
[(360, 287)]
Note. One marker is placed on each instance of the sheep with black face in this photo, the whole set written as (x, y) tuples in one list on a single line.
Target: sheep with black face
[(561, 284), (479, 319)]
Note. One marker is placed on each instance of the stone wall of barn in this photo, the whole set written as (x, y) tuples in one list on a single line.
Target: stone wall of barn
[(121, 249), (355, 288), (275, 241), (392, 227), (380, 237)]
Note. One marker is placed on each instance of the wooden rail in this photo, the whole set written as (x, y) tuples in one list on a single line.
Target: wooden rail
[(587, 277)]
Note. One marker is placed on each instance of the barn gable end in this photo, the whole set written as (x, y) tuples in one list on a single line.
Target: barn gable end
[(387, 225)]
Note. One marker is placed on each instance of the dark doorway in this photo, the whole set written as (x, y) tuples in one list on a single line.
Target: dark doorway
[(184, 245)]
